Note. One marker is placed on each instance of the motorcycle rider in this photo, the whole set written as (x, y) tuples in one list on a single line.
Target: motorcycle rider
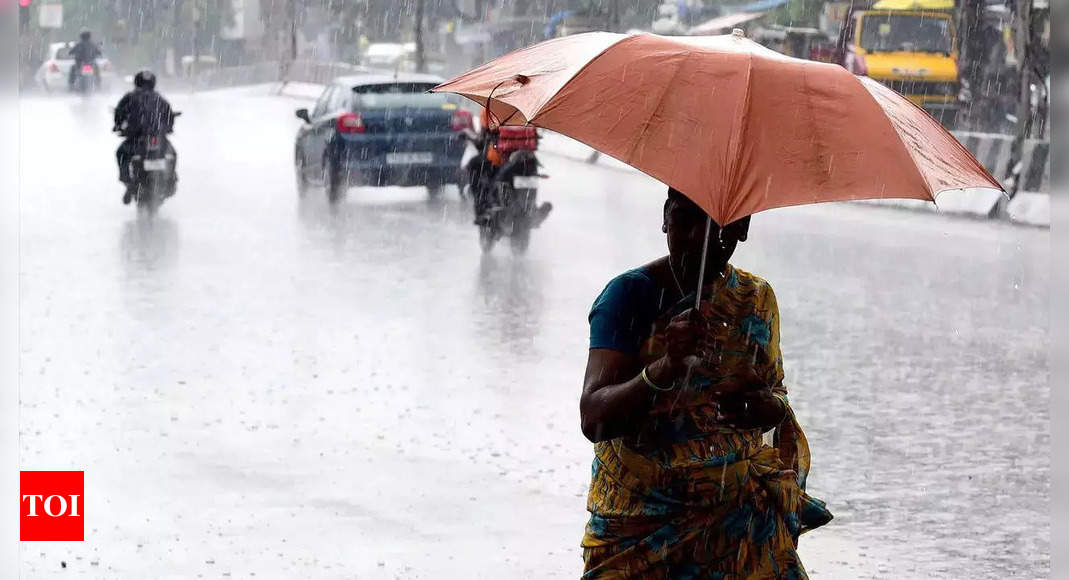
[(85, 52), (140, 112), (484, 166)]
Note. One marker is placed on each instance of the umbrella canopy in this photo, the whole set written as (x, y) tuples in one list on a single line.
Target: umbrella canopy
[(735, 126)]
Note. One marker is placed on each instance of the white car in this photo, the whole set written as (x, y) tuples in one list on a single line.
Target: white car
[(387, 55), (54, 71), (399, 58)]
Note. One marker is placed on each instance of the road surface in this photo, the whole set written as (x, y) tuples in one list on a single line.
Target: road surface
[(257, 386)]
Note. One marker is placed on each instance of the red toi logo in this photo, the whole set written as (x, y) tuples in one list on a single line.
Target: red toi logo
[(52, 506)]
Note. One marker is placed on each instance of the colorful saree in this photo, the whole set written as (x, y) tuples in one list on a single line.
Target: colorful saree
[(689, 497)]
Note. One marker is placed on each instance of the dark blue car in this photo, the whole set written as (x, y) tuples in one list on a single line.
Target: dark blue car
[(381, 129)]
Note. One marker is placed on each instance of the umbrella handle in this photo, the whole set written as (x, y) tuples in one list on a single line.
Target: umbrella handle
[(490, 114), (522, 79)]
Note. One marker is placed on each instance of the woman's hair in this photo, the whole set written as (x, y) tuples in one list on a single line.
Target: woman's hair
[(677, 196)]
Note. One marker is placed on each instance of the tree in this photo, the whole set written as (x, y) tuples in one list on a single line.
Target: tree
[(421, 56), (798, 13), (142, 30)]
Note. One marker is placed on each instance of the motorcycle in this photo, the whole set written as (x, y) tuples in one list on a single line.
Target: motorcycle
[(152, 168), (506, 199), (85, 79)]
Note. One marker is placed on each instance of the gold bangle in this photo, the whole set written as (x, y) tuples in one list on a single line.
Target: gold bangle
[(650, 384)]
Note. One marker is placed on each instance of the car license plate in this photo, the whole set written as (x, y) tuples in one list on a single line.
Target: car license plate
[(155, 165), (525, 182), (408, 158)]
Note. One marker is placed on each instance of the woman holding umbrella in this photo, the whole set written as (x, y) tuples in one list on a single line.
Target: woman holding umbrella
[(676, 401), (680, 389)]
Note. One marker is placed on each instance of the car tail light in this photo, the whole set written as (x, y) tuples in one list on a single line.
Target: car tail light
[(462, 120), (52, 67), (87, 68), (351, 123)]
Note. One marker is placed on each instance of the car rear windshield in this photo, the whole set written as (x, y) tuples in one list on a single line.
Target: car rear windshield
[(400, 95)]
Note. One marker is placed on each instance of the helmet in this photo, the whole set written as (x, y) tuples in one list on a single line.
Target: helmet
[(145, 80), (84, 34)]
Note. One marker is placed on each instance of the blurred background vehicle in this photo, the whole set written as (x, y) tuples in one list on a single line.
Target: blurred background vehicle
[(378, 130), (387, 55), (910, 46), (202, 63), (399, 57), (53, 73)]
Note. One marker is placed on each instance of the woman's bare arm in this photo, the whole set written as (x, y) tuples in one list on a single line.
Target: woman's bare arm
[(615, 397)]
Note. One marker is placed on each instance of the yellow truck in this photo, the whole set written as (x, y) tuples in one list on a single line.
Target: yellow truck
[(910, 46)]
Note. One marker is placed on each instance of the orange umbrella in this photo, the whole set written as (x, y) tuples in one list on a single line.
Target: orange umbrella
[(735, 126)]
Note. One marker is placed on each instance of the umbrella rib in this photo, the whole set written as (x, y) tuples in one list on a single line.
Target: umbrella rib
[(556, 93)]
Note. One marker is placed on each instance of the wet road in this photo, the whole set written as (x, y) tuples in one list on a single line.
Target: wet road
[(259, 386)]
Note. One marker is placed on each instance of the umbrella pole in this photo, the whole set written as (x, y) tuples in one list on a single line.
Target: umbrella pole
[(692, 361), (701, 268)]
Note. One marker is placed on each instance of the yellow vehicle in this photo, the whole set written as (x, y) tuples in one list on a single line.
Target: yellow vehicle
[(908, 45)]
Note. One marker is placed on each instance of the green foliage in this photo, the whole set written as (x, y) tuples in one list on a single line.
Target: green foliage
[(95, 15), (146, 22), (798, 13)]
